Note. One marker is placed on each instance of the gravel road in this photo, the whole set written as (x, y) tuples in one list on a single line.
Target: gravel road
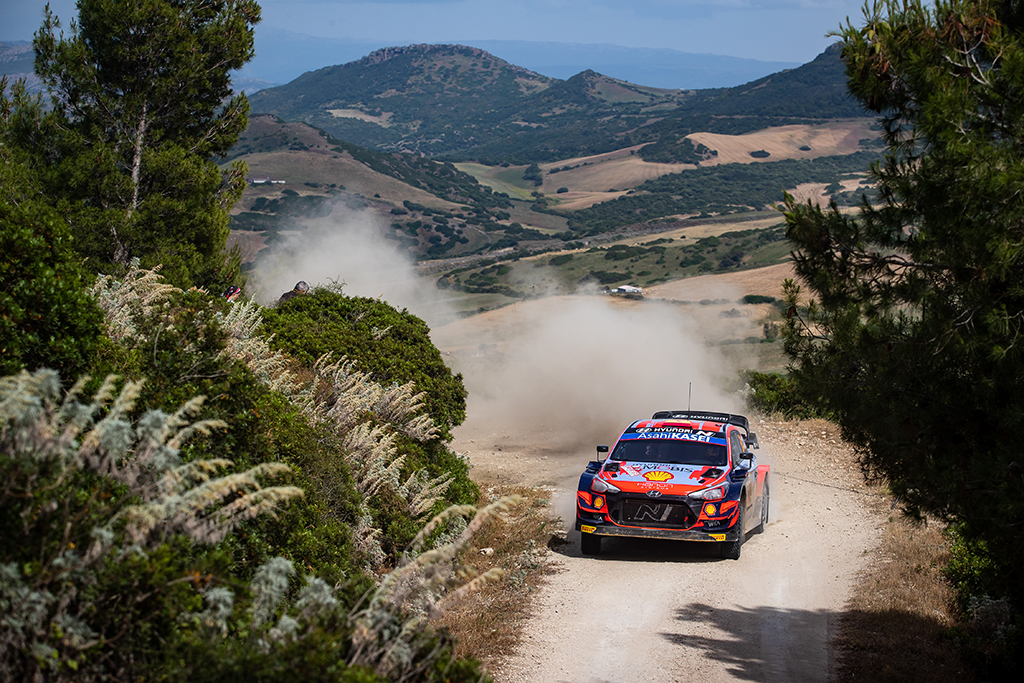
[(669, 611)]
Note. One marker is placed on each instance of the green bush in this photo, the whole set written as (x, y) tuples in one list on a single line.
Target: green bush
[(394, 347), (771, 393), (47, 319), (970, 570)]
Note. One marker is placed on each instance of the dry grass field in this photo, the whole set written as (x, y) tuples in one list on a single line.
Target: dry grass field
[(607, 174), (762, 281), (894, 627), (325, 167), (785, 142), (603, 177)]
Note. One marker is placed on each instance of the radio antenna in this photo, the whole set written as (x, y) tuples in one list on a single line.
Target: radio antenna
[(689, 397)]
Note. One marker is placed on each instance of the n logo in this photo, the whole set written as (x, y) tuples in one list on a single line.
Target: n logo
[(651, 512)]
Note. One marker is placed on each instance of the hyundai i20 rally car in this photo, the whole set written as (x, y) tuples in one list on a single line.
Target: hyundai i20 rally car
[(688, 476)]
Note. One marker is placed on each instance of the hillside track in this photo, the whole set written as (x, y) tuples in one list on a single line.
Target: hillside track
[(670, 611)]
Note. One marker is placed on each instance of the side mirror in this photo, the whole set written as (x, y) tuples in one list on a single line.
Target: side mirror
[(746, 460), (602, 450)]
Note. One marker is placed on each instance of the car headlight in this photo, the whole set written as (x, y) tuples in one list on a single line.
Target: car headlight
[(598, 485), (716, 493)]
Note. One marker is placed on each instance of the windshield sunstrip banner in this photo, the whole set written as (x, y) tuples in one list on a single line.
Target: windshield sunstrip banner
[(702, 437)]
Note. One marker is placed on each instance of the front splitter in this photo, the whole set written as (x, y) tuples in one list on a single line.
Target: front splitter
[(668, 534)]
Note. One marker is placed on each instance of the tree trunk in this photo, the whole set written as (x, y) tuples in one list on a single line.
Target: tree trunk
[(121, 250)]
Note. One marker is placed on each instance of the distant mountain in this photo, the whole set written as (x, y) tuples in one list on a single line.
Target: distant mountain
[(463, 103), (653, 67), (17, 60), (282, 56)]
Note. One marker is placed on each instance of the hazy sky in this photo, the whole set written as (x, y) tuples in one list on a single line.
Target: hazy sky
[(770, 30)]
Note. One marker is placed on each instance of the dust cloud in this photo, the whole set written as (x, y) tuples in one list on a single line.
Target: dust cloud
[(347, 248), (555, 373), (575, 370)]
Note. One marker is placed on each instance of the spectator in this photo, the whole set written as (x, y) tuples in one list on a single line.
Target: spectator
[(300, 288)]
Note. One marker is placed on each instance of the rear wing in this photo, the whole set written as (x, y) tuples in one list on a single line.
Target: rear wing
[(749, 438)]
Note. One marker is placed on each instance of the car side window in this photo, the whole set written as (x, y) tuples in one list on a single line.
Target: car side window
[(736, 445)]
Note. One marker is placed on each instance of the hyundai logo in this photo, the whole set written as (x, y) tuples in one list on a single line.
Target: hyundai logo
[(654, 494)]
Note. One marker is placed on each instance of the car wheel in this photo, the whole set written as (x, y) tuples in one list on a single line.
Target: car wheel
[(590, 544), (764, 511), (731, 549)]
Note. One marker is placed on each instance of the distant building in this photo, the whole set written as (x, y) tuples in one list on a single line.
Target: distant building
[(628, 289), (265, 181)]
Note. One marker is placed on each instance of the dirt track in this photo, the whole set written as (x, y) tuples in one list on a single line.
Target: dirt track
[(544, 390), (664, 611)]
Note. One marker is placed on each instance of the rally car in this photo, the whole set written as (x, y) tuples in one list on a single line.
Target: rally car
[(688, 476)]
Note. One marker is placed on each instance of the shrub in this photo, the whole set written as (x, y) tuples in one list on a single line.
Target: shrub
[(47, 319)]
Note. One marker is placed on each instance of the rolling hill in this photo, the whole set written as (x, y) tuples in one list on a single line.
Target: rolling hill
[(463, 104), (541, 164)]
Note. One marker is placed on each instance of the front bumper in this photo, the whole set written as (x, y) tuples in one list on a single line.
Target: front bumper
[(609, 529)]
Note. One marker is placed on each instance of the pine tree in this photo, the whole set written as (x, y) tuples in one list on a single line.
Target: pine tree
[(142, 108), (915, 340)]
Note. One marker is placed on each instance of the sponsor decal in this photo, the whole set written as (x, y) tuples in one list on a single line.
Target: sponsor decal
[(709, 510), (666, 467), (590, 529), (682, 435), (717, 537), (657, 475), (661, 486), (682, 429), (707, 473), (631, 470)]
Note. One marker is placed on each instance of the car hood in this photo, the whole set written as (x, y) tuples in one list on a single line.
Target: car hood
[(665, 477)]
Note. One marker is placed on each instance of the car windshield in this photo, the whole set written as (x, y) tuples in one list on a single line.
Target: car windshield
[(670, 451)]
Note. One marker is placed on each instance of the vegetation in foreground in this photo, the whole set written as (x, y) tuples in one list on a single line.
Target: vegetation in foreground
[(213, 509), (489, 623)]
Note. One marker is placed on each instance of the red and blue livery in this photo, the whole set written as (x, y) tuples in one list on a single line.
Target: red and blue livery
[(682, 475)]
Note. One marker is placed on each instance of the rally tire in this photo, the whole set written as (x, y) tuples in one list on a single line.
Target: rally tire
[(590, 544), (765, 498), (730, 550)]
